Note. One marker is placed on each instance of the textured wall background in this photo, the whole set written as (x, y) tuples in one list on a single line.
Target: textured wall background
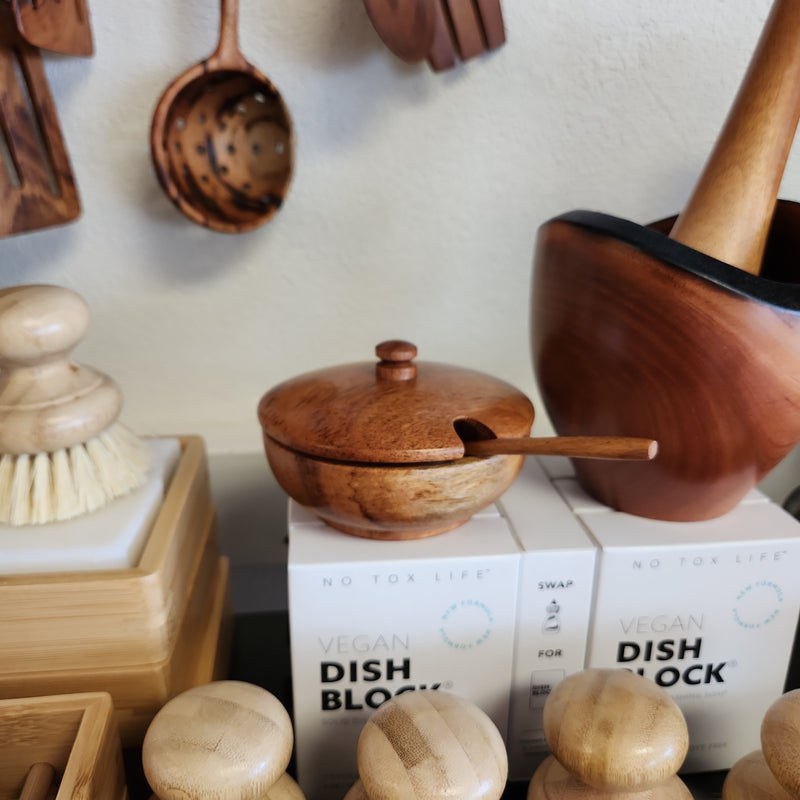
[(416, 198)]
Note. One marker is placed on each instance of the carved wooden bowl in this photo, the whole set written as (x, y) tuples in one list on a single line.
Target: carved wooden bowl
[(636, 334), (373, 449)]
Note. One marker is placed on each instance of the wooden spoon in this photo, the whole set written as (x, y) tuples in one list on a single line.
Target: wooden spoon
[(221, 139), (407, 27), (730, 211), (607, 447)]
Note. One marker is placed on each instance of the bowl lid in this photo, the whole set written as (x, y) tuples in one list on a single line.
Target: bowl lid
[(393, 411)]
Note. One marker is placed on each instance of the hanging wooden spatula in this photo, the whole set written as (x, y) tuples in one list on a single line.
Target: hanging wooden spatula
[(37, 188), (59, 25), (730, 211)]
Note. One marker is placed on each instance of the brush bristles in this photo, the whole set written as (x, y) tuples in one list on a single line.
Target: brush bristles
[(46, 487)]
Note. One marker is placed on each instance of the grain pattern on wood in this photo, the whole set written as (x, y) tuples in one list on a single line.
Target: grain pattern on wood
[(221, 139), (780, 741), (62, 26), (433, 745), (637, 335), (600, 447), (729, 212), (373, 449), (615, 730), (224, 740), (750, 778), (37, 186), (552, 781)]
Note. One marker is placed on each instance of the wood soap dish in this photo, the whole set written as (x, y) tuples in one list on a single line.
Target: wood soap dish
[(75, 734), (141, 634)]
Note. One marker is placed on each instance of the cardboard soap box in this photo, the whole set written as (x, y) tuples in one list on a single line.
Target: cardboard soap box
[(557, 570), (369, 619), (708, 610)]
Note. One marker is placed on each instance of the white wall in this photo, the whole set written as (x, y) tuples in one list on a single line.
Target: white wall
[(416, 198)]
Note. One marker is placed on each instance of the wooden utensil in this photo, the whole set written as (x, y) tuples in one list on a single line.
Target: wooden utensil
[(37, 188), (467, 28), (442, 55), (467, 31), (407, 27), (730, 211), (62, 26), (221, 139), (602, 447)]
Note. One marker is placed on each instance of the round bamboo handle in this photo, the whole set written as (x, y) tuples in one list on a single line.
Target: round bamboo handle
[(226, 740), (615, 730), (47, 402), (750, 778), (780, 741), (552, 781), (606, 447), (433, 745), (730, 211)]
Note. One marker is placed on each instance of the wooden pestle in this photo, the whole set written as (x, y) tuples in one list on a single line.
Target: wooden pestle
[(611, 734), (430, 744), (730, 210), (773, 772), (226, 740)]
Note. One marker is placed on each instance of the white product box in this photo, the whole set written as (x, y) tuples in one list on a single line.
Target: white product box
[(557, 570), (708, 610), (369, 619)]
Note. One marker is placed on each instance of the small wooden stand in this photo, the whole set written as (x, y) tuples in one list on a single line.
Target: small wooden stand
[(141, 634), (77, 735)]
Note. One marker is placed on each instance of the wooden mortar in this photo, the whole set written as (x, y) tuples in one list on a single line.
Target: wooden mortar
[(686, 330)]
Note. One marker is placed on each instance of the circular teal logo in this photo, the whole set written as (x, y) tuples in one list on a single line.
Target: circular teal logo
[(757, 604), (466, 624)]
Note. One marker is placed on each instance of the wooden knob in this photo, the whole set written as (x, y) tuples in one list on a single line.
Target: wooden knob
[(46, 401), (780, 741), (433, 745), (552, 781), (395, 363), (615, 730), (226, 740), (750, 778)]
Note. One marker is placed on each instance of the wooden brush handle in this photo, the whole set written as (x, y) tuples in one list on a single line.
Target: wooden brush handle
[(608, 447), (780, 741), (730, 211), (615, 730), (47, 402), (430, 744), (226, 740)]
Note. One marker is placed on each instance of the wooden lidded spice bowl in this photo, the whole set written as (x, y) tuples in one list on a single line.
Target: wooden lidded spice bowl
[(374, 449)]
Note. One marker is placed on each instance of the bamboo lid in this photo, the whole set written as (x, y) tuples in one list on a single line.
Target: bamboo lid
[(396, 411)]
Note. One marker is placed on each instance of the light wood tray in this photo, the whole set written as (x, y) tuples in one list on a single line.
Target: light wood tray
[(85, 620), (199, 654), (76, 733)]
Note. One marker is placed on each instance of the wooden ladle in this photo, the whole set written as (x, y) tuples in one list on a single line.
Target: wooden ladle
[(221, 139)]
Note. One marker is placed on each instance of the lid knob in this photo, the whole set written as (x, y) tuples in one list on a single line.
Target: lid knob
[(396, 362)]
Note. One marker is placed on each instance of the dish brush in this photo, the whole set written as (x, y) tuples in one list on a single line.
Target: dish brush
[(63, 451)]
